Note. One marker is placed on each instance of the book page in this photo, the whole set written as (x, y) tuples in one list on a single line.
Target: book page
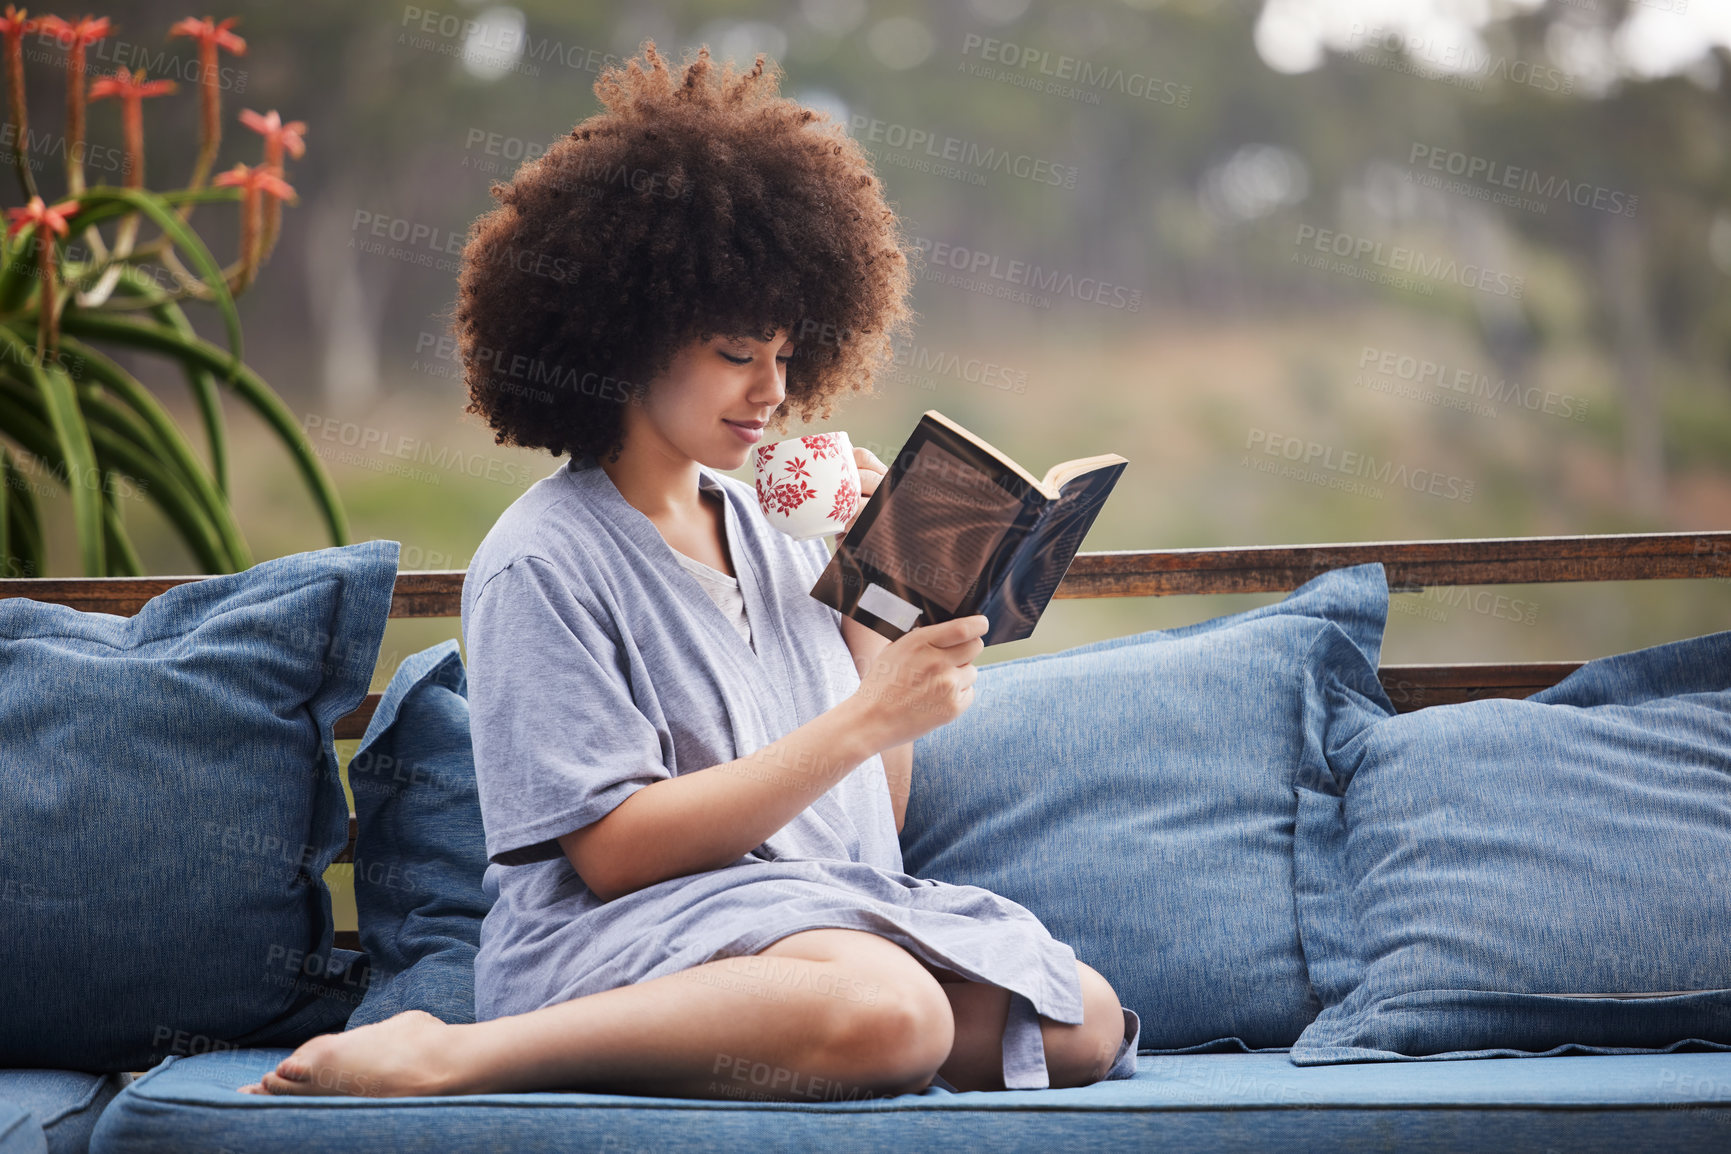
[(940, 527), (1060, 474), (986, 447), (1045, 556)]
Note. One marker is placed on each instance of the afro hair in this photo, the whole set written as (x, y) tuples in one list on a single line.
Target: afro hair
[(698, 202)]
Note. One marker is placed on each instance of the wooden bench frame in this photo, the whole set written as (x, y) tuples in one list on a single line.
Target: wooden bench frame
[(1411, 567)]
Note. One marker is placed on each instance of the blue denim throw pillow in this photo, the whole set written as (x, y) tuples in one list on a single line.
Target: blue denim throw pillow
[(419, 847), (170, 798), (1514, 878), (1136, 795)]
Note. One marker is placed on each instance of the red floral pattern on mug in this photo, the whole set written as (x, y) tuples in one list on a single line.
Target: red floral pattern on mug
[(846, 497), (790, 496), (796, 467), (823, 445)]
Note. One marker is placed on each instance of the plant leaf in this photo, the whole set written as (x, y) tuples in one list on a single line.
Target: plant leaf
[(38, 440), (18, 277), (109, 433), (22, 415), (199, 380), (5, 513), (101, 212), (170, 445), (73, 436), (20, 527), (122, 556), (161, 214), (246, 383)]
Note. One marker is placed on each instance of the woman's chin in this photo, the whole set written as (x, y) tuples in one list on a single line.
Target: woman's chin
[(732, 457)]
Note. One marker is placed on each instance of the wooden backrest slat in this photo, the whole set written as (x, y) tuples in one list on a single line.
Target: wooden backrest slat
[(353, 726), (1410, 565)]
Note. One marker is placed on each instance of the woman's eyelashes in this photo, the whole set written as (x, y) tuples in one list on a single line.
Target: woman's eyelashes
[(731, 359)]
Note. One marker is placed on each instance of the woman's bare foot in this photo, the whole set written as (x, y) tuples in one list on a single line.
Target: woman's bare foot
[(406, 1055)]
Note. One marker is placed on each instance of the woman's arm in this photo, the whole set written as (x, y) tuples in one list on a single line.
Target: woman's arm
[(703, 821), (865, 645)]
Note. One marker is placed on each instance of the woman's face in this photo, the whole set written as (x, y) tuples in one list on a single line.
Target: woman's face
[(716, 397)]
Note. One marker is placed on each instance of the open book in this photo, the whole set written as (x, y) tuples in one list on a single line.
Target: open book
[(957, 528)]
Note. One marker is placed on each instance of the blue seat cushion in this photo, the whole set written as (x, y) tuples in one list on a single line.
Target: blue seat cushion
[(19, 1133), (1136, 795), (170, 797), (1218, 1102), (1503, 877), (420, 848), (60, 1108)]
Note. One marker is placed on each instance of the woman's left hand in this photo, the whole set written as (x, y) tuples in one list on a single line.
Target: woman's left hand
[(871, 471)]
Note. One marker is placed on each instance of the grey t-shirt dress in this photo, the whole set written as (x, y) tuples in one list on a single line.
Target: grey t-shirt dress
[(598, 664)]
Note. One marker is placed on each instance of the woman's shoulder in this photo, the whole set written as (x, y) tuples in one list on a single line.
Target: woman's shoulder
[(541, 534)]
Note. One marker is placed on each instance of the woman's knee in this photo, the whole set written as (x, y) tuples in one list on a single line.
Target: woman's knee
[(890, 1020), (900, 1033), (1082, 1055)]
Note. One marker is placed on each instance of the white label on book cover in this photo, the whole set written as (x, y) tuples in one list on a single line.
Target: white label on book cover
[(880, 602)]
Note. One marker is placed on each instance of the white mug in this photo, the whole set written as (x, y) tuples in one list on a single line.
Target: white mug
[(808, 486)]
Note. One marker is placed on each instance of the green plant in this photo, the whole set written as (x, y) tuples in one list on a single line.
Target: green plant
[(65, 290)]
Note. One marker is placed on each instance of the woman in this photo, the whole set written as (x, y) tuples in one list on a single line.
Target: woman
[(692, 773)]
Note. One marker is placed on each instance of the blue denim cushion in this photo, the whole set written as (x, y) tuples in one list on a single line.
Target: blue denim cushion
[(63, 1105), (1508, 878), (419, 847), (1136, 795), (1248, 1103), (170, 803), (19, 1133)]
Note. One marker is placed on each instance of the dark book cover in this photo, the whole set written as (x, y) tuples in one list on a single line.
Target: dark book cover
[(957, 528)]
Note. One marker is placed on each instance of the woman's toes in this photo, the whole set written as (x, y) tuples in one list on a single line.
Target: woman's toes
[(275, 1083)]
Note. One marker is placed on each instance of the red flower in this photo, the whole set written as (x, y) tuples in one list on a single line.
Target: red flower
[(259, 178), (75, 38), (796, 467), (263, 178), (277, 135), (13, 26), (38, 213), (49, 222), (13, 29), (210, 36), (131, 89)]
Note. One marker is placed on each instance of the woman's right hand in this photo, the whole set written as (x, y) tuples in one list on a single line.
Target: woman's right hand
[(922, 679)]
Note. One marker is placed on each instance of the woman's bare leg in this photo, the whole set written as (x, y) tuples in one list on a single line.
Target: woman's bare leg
[(818, 1015), (1077, 1055)]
